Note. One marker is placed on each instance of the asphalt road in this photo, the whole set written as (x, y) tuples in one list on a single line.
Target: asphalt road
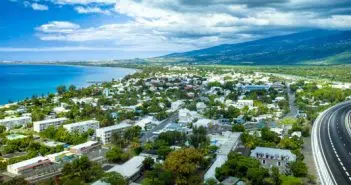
[(332, 145)]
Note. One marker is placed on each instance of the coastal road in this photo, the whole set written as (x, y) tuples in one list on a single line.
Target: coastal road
[(331, 145)]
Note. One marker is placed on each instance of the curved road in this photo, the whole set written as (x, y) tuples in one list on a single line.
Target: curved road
[(331, 144)]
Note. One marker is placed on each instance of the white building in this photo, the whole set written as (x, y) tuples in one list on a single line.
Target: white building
[(204, 123), (10, 123), (39, 126), (28, 166), (200, 106), (270, 157), (146, 121), (177, 105), (243, 103), (186, 116), (130, 170), (85, 147), (83, 126), (105, 133)]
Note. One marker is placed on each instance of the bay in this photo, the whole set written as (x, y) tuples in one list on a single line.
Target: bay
[(18, 82)]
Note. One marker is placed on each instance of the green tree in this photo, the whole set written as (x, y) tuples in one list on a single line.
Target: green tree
[(114, 178), (148, 163), (61, 89), (298, 169), (184, 163), (116, 154)]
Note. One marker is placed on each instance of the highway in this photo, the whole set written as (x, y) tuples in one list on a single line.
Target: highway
[(331, 145)]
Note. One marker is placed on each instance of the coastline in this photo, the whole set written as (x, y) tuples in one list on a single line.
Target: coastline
[(88, 82)]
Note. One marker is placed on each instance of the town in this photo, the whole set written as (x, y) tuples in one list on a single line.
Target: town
[(168, 125)]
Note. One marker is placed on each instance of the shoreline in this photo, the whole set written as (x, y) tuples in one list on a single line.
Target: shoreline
[(88, 84)]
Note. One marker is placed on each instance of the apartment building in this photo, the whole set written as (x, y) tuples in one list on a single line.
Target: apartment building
[(39, 126), (10, 123), (83, 126), (105, 133)]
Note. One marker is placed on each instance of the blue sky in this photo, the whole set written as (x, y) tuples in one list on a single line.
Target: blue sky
[(38, 30)]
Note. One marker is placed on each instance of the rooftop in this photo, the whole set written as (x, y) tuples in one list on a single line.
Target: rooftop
[(50, 120), (28, 162), (114, 127)]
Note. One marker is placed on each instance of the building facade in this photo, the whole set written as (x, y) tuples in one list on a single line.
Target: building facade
[(83, 126), (270, 157), (10, 123), (39, 126), (105, 133)]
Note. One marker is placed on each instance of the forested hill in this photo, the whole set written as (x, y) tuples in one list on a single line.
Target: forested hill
[(311, 47)]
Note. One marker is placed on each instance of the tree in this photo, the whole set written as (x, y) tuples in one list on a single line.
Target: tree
[(199, 137), (298, 169), (114, 178), (256, 175), (276, 176), (158, 176), (238, 128), (81, 170), (148, 163), (184, 163), (61, 89), (16, 181), (116, 154)]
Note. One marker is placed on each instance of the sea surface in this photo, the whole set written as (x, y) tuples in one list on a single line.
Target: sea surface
[(18, 82)]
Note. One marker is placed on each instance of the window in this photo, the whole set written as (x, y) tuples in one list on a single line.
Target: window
[(279, 164), (263, 161)]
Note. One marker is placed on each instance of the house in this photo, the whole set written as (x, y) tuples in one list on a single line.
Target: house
[(249, 88), (270, 157), (29, 166), (10, 123), (186, 116), (106, 92), (85, 148), (130, 170), (146, 122), (279, 98), (243, 103), (232, 181), (39, 126), (105, 133), (204, 123), (200, 107), (177, 105), (83, 126)]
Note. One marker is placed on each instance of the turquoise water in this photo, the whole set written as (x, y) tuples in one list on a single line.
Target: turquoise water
[(18, 82)]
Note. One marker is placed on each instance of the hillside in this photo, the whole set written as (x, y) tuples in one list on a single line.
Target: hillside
[(312, 47)]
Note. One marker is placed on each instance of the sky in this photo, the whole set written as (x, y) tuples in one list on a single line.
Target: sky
[(71, 30)]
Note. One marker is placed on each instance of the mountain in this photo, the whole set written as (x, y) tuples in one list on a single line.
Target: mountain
[(311, 47)]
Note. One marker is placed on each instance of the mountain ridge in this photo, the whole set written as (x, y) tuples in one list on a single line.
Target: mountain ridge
[(293, 49)]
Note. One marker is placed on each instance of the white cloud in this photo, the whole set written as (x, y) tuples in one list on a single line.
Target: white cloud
[(40, 7), (87, 10), (58, 27), (183, 25), (84, 2), (49, 49)]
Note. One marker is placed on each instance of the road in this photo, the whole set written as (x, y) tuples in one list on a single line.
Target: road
[(331, 145), (292, 106)]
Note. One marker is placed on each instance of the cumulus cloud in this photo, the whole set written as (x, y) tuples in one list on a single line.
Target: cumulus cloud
[(83, 2), (183, 25), (40, 7), (88, 10)]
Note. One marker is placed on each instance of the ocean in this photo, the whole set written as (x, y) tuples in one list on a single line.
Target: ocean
[(18, 82)]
